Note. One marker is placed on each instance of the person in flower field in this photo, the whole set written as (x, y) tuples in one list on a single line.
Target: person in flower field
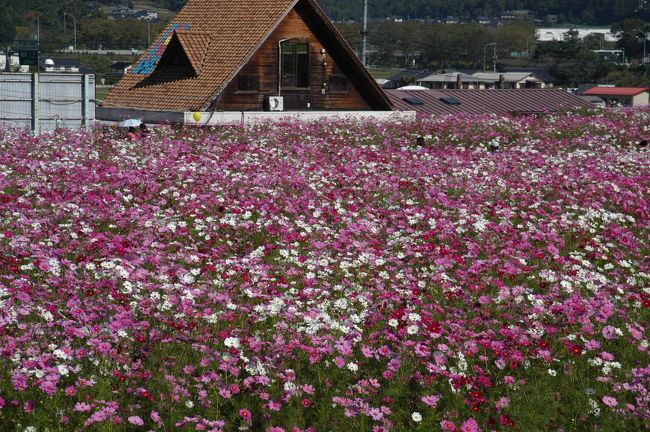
[(131, 135)]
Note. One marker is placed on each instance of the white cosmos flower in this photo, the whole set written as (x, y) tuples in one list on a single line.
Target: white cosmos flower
[(231, 342), (416, 416), (412, 329)]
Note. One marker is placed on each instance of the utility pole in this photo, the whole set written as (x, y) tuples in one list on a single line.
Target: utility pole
[(494, 44), (364, 32)]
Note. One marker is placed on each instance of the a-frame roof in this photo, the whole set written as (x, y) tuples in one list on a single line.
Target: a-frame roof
[(219, 37)]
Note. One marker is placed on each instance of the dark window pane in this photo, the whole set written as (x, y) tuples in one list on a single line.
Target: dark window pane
[(338, 83), (295, 64), (250, 83)]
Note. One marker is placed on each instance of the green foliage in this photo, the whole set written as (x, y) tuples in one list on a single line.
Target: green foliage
[(7, 29), (631, 34), (589, 12)]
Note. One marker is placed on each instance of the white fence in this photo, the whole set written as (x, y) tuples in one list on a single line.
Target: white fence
[(47, 101), (212, 118)]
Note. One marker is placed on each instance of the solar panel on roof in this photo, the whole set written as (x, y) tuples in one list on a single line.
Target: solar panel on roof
[(414, 101), (450, 101)]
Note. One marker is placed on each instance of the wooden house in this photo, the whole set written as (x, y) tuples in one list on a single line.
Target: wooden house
[(249, 55)]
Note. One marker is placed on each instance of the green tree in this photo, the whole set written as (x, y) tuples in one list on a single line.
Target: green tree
[(631, 34), (518, 36), (7, 30)]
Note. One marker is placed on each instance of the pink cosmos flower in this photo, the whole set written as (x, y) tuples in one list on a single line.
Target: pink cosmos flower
[(136, 420), (592, 344), (610, 401), (375, 414), (245, 414), (502, 403), (606, 356), (447, 425), (609, 332), (104, 347), (81, 407), (470, 425), (431, 400)]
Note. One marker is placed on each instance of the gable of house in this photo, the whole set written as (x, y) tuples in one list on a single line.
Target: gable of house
[(228, 55)]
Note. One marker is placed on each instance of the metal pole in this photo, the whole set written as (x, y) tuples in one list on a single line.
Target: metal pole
[(35, 104), (495, 54), (484, 57), (85, 102), (364, 32), (280, 64), (494, 57)]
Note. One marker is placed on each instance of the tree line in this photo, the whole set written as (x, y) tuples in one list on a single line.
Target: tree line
[(587, 12), (572, 60)]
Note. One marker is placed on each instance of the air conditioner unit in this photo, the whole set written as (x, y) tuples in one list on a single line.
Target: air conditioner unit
[(276, 103)]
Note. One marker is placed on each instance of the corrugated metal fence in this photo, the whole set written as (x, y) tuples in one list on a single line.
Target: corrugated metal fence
[(47, 101)]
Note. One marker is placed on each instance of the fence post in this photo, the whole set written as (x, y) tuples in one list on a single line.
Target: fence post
[(35, 104), (85, 103)]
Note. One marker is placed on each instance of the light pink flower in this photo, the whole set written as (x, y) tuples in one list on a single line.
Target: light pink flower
[(136, 420), (610, 401)]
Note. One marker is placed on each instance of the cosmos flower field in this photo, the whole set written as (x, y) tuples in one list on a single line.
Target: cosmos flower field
[(329, 276)]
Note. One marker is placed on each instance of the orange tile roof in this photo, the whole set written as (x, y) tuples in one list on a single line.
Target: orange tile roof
[(221, 36), (616, 91), (195, 45)]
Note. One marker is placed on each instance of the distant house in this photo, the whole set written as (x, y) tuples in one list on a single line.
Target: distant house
[(498, 101), (248, 55), (482, 80), (513, 80), (62, 64), (120, 68), (614, 56), (623, 96), (125, 12), (543, 74), (406, 76), (550, 34), (454, 80)]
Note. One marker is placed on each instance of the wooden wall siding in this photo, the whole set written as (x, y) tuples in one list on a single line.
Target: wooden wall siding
[(265, 64)]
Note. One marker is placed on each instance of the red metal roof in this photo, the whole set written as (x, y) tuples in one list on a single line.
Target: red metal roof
[(496, 101), (615, 91)]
